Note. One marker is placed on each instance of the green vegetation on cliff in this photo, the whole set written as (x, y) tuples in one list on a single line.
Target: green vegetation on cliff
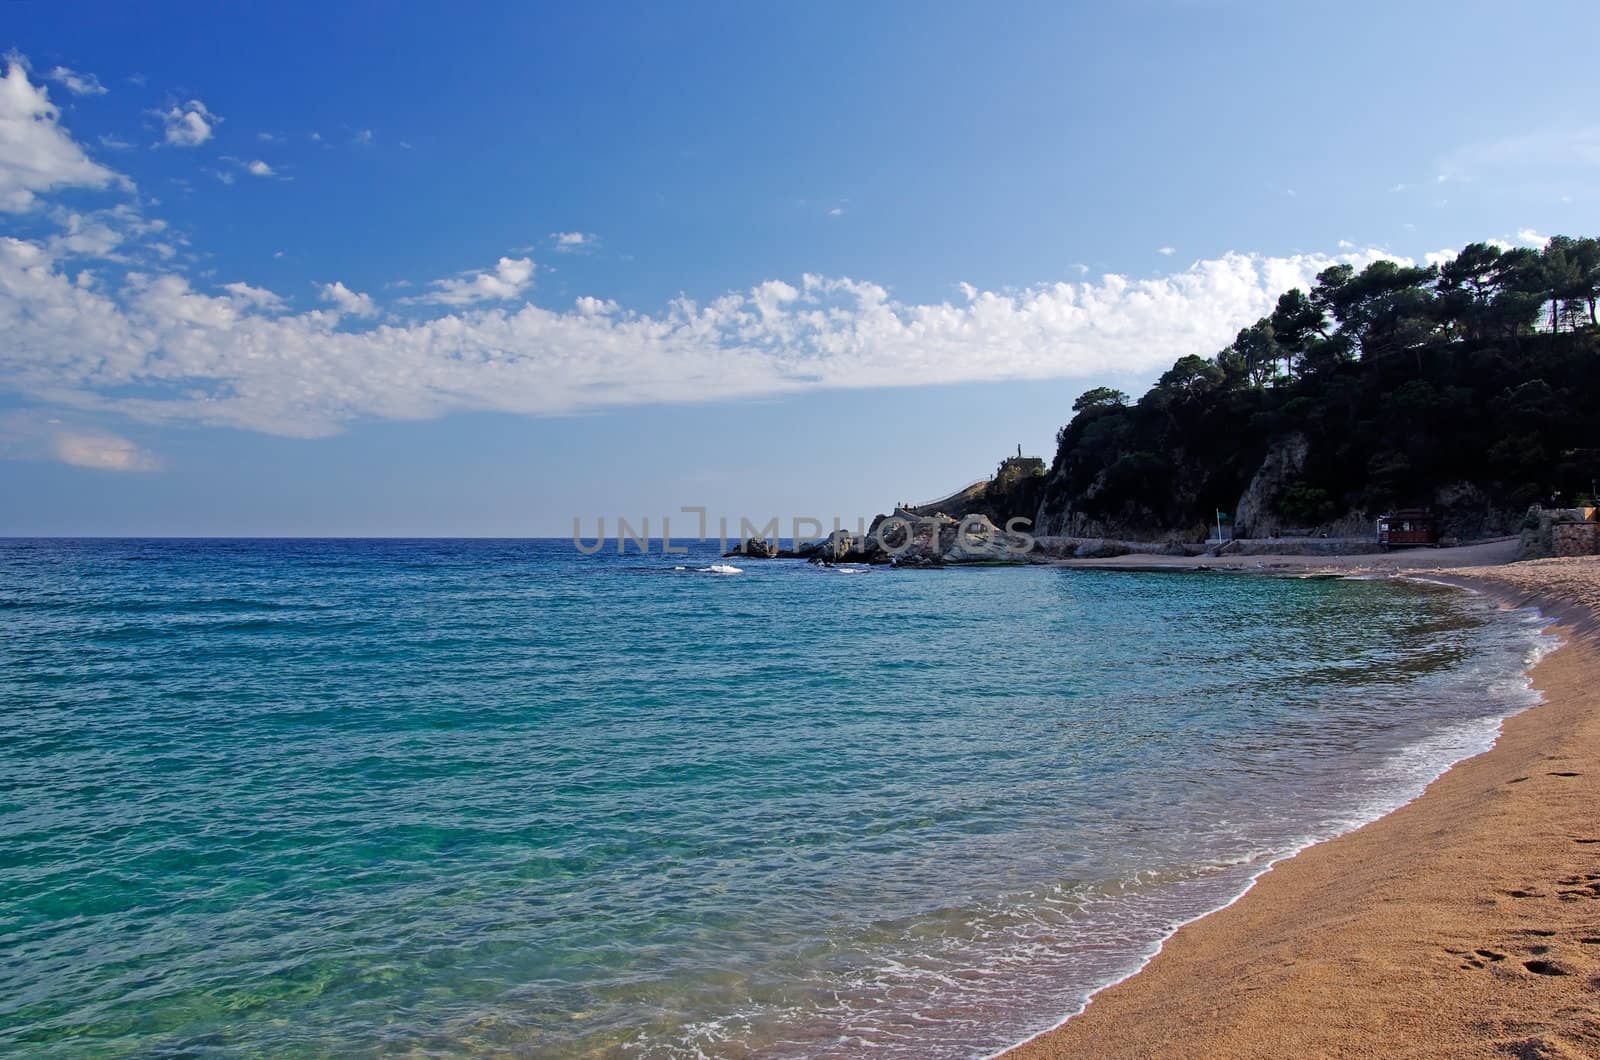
[(1471, 386)]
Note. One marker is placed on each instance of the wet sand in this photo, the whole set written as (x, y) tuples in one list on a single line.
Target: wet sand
[(1399, 561), (1465, 924)]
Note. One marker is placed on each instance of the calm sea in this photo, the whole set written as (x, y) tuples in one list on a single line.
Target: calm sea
[(349, 798)]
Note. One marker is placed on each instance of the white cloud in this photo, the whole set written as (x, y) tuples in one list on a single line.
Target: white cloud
[(101, 234), (258, 297), (151, 348), (269, 138), (103, 452), (36, 153), (837, 211), (1168, 251), (258, 168), (115, 143), (1528, 237), (187, 125), (347, 301), (76, 83), (590, 306), (364, 137), (573, 242), (508, 279), (156, 350), (36, 434)]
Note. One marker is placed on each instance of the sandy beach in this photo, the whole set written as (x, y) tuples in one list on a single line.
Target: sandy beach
[(1465, 924), (1483, 554)]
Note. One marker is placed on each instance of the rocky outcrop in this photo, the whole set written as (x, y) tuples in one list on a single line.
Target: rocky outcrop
[(1256, 514), (907, 538), (832, 549), (1014, 490), (756, 548)]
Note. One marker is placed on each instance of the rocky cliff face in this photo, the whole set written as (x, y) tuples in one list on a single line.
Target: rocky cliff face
[(1256, 514)]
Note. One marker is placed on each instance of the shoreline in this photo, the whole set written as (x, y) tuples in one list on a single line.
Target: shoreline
[(1320, 954)]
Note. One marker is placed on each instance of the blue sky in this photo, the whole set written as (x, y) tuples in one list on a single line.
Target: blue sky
[(391, 270)]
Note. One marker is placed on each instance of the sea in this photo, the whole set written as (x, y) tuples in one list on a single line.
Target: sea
[(354, 798)]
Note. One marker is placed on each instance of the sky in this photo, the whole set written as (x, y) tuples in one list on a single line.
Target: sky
[(395, 270)]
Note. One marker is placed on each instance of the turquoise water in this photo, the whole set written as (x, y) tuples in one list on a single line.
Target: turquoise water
[(347, 798)]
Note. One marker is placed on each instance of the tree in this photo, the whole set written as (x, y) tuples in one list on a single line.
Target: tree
[(1385, 308), (1190, 377), (1572, 279), (1586, 252), (1562, 278), (1404, 382), (1101, 397), (1296, 323), (1258, 351), (1468, 286), (1523, 291)]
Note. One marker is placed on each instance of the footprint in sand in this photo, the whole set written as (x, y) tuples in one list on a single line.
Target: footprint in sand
[(1576, 887), (1476, 958), (1545, 968), (1538, 962)]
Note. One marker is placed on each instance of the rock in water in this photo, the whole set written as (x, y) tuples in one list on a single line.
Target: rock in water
[(755, 548)]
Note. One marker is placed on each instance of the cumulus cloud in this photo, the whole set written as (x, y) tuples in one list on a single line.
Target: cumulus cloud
[(590, 306), (142, 343), (104, 234), (347, 301), (508, 279), (76, 83), (187, 125), (258, 168), (259, 297), (1166, 251), (157, 350), (572, 242), (36, 154)]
